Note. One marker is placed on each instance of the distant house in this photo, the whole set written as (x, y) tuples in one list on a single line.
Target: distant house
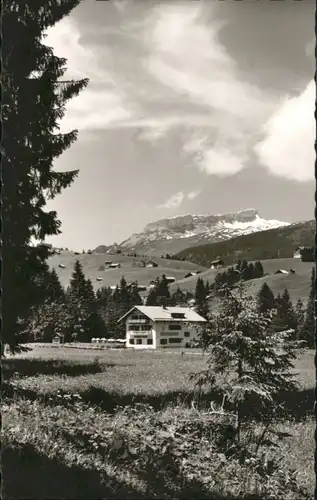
[(292, 271), (298, 253), (188, 275), (281, 271), (115, 266), (216, 263), (151, 264), (61, 266), (76, 253), (113, 287), (138, 263), (170, 279), (306, 254), (140, 288), (152, 327), (108, 262), (99, 279), (57, 338)]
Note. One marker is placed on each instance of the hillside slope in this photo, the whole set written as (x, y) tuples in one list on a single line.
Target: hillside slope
[(274, 243), (299, 280), (91, 266)]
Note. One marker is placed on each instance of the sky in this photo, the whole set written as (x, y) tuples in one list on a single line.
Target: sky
[(192, 107)]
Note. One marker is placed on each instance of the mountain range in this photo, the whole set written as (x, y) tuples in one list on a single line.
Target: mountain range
[(174, 234)]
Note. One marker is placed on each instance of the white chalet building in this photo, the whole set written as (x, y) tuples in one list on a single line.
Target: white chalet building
[(152, 327)]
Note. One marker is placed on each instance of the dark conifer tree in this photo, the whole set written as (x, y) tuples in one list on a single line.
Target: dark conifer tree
[(258, 270), (285, 318), (78, 284), (179, 298), (300, 317), (251, 271), (265, 299), (33, 101), (244, 270), (55, 291), (238, 265), (87, 323), (163, 293), (135, 298), (201, 301), (308, 330), (152, 298), (123, 295)]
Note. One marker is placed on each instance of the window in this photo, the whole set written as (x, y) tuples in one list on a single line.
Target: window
[(186, 334), (163, 341), (149, 341), (173, 326), (134, 328), (131, 341), (175, 341), (139, 341), (178, 315), (145, 328)]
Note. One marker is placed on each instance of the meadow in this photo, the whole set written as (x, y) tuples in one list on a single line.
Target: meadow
[(119, 424), (91, 266), (298, 284)]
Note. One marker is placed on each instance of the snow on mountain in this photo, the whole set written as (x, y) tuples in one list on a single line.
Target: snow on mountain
[(174, 234)]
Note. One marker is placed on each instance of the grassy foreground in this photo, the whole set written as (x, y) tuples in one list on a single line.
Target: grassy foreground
[(122, 426)]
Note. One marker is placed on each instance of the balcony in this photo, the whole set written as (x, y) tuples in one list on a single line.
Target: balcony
[(137, 321)]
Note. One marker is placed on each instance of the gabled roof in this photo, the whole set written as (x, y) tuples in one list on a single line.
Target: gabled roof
[(158, 313)]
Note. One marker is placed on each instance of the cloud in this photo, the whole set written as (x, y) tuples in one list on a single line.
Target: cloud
[(188, 58), (193, 194), (103, 102), (174, 201), (288, 148), (162, 68), (177, 199)]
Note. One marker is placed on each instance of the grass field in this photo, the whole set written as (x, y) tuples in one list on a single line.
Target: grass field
[(71, 429), (298, 284), (92, 262)]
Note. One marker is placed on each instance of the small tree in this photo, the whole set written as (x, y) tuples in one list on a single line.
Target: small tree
[(135, 298), (251, 272), (285, 316), (201, 298), (84, 307), (309, 326), (300, 316), (258, 269), (162, 292), (152, 297), (265, 299), (244, 359), (179, 297)]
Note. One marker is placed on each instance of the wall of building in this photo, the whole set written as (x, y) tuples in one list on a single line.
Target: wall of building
[(165, 335), (161, 333), (140, 337)]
